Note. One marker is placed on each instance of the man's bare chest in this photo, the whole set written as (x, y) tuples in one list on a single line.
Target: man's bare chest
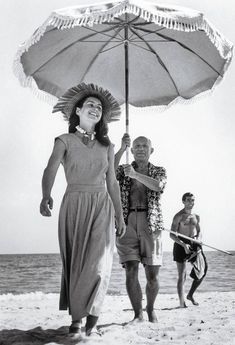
[(188, 219)]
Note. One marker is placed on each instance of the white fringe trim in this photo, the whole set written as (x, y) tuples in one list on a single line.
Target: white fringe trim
[(168, 20)]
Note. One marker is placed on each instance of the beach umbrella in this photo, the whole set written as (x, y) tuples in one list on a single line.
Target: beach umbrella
[(145, 54)]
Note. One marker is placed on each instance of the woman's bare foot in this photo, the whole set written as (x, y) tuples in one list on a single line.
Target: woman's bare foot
[(93, 332), (183, 305), (90, 326), (75, 329)]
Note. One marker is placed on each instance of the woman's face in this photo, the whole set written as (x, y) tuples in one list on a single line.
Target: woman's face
[(91, 111)]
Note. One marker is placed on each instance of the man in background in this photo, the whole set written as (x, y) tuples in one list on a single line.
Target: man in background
[(187, 223)]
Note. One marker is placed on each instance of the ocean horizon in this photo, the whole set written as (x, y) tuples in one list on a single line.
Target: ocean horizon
[(33, 273)]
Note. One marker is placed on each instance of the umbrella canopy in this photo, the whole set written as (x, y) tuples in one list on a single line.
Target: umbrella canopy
[(145, 54)]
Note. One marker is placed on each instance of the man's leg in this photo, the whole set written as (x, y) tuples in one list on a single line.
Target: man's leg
[(152, 288), (181, 266), (134, 289), (196, 283), (194, 286)]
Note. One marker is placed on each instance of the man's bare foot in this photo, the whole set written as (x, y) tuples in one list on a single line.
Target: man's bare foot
[(183, 305), (137, 319), (190, 298), (151, 315)]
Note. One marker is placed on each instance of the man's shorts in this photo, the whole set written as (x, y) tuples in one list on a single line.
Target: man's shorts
[(137, 243), (179, 254)]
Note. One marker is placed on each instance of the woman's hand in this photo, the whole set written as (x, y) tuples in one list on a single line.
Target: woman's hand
[(121, 227), (45, 206)]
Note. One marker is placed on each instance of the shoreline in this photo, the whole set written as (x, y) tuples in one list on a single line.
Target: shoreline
[(38, 294), (35, 318)]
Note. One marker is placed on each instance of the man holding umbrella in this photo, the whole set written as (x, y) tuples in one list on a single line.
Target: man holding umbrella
[(141, 184)]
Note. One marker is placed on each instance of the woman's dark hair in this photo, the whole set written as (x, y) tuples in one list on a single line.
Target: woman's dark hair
[(101, 128)]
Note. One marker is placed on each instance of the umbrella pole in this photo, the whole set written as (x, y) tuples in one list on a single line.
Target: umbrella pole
[(196, 241), (126, 48)]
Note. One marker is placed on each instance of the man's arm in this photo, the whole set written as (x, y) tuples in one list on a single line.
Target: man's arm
[(198, 228), (175, 227), (126, 142), (152, 183)]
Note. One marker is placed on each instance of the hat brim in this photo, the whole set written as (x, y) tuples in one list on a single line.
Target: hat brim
[(67, 102)]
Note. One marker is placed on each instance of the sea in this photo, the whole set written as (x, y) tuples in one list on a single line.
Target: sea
[(27, 273)]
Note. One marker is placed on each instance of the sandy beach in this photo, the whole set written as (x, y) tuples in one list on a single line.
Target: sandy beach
[(35, 319)]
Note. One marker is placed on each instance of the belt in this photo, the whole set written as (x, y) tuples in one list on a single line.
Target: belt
[(138, 209)]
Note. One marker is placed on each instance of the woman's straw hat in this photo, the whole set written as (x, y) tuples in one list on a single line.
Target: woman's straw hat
[(67, 102)]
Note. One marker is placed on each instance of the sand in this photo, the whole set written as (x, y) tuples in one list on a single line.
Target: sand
[(35, 319)]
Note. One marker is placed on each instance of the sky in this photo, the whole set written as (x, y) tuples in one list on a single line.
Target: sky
[(194, 142)]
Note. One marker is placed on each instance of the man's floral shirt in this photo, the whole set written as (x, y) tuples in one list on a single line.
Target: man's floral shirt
[(155, 219)]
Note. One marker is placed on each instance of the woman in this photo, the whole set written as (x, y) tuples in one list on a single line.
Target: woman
[(86, 220)]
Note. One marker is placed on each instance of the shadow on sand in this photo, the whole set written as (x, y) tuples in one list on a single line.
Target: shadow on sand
[(39, 336), (36, 336), (112, 324)]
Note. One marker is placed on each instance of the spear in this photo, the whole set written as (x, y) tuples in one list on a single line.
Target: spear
[(196, 241)]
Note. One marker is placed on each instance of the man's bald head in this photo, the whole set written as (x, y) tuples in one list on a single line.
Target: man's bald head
[(142, 138)]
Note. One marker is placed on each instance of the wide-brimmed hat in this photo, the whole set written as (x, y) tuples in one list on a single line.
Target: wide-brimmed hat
[(67, 102)]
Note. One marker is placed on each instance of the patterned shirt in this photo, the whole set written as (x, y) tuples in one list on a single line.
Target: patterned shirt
[(155, 219)]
